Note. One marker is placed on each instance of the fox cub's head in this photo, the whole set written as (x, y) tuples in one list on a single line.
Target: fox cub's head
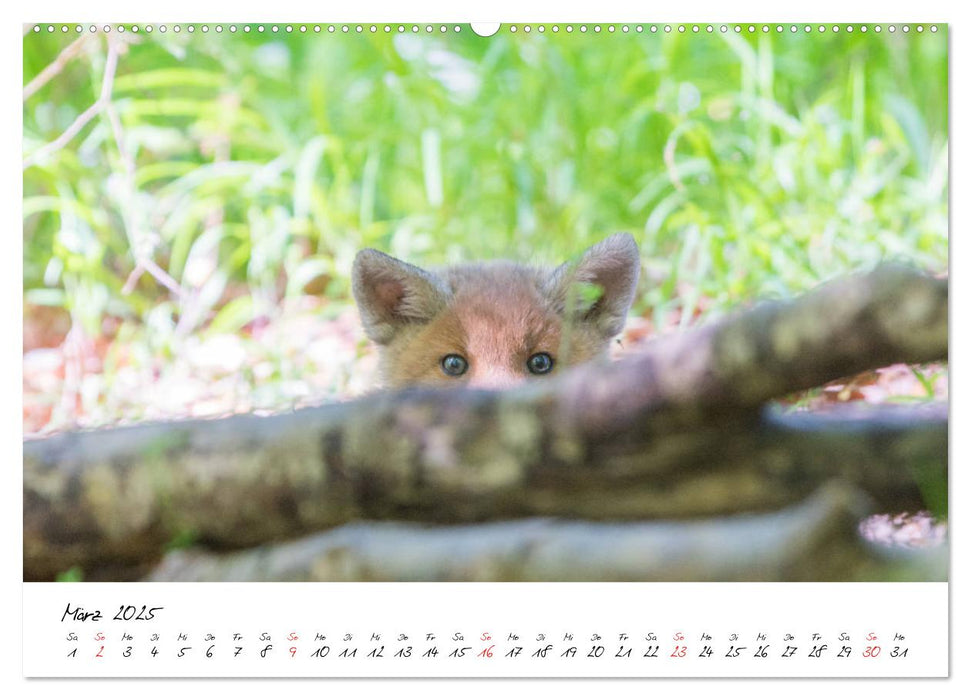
[(493, 324)]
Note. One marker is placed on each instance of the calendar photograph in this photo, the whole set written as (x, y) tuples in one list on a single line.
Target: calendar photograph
[(604, 302)]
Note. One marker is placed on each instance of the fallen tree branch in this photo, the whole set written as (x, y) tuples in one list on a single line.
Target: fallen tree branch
[(674, 432), (814, 541)]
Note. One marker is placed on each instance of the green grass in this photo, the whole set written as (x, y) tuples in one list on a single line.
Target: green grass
[(257, 165)]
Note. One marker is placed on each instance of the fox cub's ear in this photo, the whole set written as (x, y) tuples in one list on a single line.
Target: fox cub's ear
[(601, 284), (391, 293)]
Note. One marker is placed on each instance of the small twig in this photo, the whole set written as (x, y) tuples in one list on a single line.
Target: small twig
[(54, 67), (62, 140), (111, 63), (142, 263), (133, 278), (161, 276)]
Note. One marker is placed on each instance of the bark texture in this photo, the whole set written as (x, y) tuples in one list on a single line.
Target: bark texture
[(812, 541)]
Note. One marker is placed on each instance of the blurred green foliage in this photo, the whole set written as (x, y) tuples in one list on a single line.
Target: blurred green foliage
[(252, 166)]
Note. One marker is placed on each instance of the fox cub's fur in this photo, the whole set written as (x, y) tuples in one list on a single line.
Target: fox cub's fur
[(496, 323)]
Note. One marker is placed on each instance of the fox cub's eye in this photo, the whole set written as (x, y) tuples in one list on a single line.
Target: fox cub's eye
[(454, 365), (540, 363)]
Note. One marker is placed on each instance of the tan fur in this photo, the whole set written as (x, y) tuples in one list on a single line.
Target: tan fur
[(496, 315)]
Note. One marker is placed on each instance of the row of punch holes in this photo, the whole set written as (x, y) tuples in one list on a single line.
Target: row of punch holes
[(485, 30)]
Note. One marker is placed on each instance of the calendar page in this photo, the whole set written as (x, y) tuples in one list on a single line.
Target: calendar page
[(478, 630), (360, 349)]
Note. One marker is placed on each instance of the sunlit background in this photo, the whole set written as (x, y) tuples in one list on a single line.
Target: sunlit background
[(193, 201)]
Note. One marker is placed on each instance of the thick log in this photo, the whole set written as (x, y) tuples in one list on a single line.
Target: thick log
[(815, 540), (676, 431)]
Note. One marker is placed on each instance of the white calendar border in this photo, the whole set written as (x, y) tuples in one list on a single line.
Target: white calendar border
[(510, 10)]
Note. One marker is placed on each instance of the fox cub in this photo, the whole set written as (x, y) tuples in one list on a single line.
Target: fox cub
[(493, 324)]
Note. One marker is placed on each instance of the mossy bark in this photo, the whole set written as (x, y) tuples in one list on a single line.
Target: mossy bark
[(814, 540)]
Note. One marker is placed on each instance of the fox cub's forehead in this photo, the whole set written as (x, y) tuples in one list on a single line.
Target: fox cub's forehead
[(501, 306), (498, 282)]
